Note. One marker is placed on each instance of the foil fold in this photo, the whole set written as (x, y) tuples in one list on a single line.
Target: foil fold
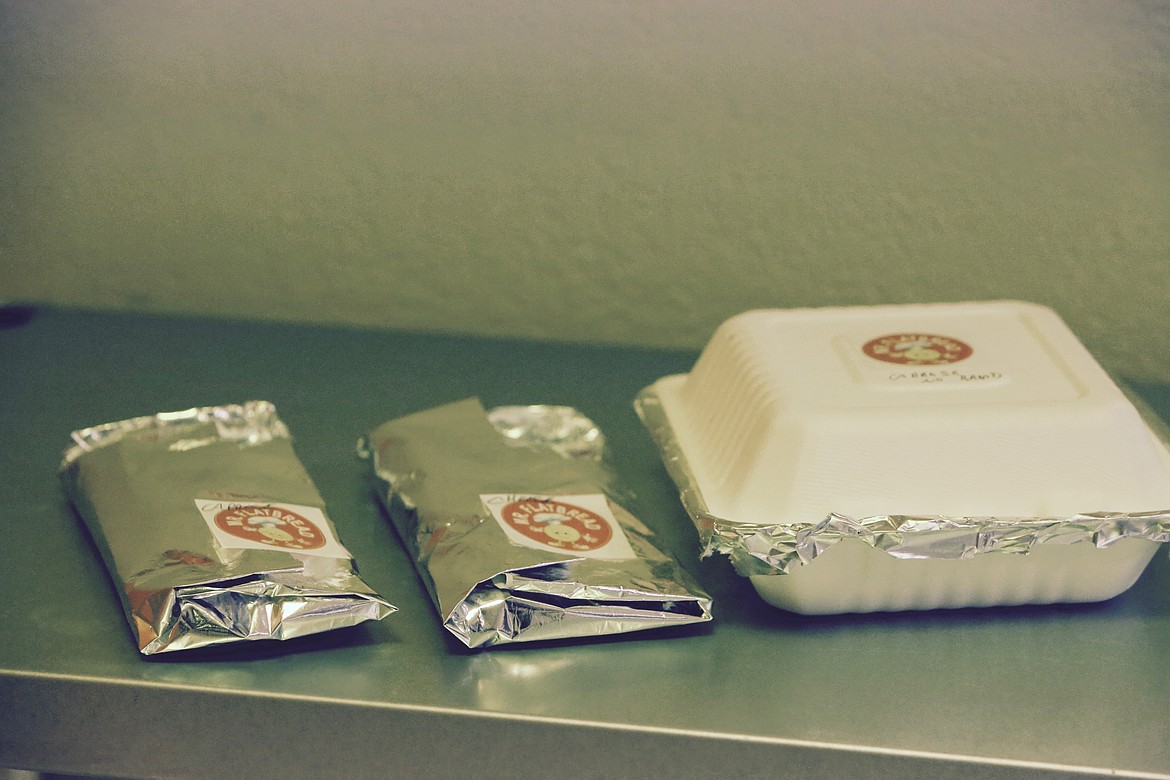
[(149, 490), (439, 473), (778, 548)]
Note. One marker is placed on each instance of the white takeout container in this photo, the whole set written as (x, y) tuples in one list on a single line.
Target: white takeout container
[(992, 413)]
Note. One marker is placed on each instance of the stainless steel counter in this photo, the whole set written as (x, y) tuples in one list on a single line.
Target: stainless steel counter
[(970, 693)]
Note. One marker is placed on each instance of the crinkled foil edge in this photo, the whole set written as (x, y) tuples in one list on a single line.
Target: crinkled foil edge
[(251, 422), (258, 606), (766, 549), (515, 607)]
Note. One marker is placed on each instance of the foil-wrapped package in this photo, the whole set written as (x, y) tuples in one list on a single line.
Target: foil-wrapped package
[(212, 530), (519, 528)]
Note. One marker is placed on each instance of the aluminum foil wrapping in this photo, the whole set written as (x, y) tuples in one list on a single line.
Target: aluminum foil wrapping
[(777, 548), (519, 528), (212, 530)]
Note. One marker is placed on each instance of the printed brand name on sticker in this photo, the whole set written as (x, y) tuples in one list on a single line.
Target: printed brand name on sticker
[(573, 525), (269, 525), (273, 525), (917, 349)]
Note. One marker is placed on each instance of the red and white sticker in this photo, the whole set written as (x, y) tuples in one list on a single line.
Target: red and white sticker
[(259, 525), (581, 525), (917, 349)]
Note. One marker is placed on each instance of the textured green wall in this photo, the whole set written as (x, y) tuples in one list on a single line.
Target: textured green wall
[(597, 171)]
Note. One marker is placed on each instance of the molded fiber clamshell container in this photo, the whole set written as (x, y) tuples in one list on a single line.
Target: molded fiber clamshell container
[(984, 409)]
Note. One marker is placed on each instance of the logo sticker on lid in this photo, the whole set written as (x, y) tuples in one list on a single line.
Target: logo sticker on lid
[(917, 349)]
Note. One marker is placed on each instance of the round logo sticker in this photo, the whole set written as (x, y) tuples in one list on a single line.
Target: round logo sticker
[(917, 349), (271, 525), (558, 524)]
